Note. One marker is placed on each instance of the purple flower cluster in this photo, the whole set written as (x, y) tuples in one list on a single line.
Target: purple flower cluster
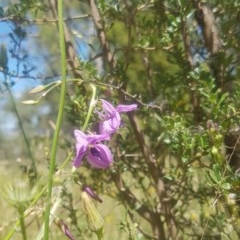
[(98, 154)]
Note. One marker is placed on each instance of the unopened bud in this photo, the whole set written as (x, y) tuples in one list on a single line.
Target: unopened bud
[(94, 219), (64, 228), (212, 126), (214, 151), (92, 194)]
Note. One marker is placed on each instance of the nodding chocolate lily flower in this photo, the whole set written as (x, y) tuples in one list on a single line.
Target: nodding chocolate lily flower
[(111, 116), (98, 154)]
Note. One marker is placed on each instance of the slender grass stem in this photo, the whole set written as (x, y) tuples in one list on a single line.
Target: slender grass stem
[(59, 118), (34, 168)]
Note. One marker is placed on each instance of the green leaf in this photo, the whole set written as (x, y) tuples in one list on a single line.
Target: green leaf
[(217, 172), (226, 186)]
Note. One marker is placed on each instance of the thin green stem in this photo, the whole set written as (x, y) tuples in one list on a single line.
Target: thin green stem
[(59, 118), (53, 210), (92, 103), (39, 195), (100, 234), (34, 168), (22, 223)]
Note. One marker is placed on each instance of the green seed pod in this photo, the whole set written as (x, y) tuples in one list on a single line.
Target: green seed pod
[(94, 219)]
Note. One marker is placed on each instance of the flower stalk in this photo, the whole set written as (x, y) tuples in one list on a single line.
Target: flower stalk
[(92, 103), (59, 118), (22, 223)]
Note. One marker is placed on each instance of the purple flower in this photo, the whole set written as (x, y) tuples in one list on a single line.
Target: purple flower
[(111, 116), (98, 154)]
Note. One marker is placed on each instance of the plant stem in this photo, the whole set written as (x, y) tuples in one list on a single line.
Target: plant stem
[(38, 196), (34, 168), (59, 118), (100, 234), (92, 103), (22, 223)]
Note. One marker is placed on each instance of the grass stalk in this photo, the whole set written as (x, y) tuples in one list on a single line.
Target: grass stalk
[(33, 167), (59, 119)]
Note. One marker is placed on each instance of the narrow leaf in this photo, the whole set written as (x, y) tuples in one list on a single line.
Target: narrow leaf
[(30, 102), (38, 89)]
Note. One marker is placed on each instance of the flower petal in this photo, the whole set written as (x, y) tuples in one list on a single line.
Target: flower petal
[(126, 108), (93, 139), (92, 194), (80, 137), (80, 152), (106, 127), (115, 121), (63, 226), (107, 107), (100, 156), (111, 125)]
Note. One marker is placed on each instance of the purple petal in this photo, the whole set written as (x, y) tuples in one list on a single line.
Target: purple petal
[(63, 226), (111, 125), (93, 139), (100, 156), (115, 120), (107, 127), (80, 152), (107, 107), (80, 137), (92, 194), (104, 127), (126, 108)]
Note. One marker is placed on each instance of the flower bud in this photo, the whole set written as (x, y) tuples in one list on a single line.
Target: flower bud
[(64, 228), (214, 151), (94, 219), (91, 193)]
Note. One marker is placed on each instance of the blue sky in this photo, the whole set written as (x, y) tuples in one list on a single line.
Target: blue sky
[(81, 31), (25, 84), (8, 121), (20, 85)]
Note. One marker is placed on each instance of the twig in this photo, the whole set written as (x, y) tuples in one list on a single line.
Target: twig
[(101, 35), (44, 20)]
